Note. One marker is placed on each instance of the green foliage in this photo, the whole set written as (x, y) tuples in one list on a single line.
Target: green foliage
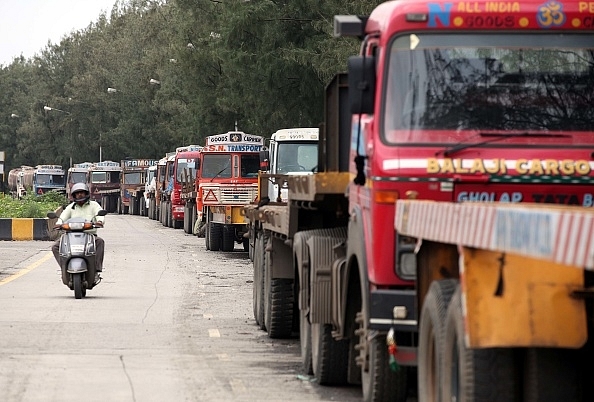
[(31, 206), (260, 64)]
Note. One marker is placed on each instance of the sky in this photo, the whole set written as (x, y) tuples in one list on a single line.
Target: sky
[(27, 25)]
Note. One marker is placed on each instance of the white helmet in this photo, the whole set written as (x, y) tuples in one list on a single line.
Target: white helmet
[(81, 187)]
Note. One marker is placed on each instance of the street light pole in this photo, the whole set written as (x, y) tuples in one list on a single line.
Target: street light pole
[(49, 109)]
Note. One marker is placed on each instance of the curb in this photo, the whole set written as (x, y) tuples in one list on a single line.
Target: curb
[(27, 229)]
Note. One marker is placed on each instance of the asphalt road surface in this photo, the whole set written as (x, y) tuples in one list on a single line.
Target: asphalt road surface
[(169, 322)]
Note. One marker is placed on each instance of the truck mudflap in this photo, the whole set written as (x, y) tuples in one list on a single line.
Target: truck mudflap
[(392, 308)]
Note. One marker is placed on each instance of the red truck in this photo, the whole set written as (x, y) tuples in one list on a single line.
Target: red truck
[(179, 167), (455, 101)]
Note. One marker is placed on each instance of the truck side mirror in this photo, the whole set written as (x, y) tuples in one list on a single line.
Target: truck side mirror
[(197, 164), (264, 161), (361, 71)]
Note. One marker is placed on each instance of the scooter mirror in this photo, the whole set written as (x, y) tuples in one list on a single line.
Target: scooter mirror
[(102, 213), (52, 215)]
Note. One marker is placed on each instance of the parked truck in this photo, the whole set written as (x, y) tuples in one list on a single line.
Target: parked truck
[(38, 180), (149, 191), (104, 184), (180, 166), (227, 181), (132, 184), (77, 174), (20, 180), (447, 102), (159, 187)]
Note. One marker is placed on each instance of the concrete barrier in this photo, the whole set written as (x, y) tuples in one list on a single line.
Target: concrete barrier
[(24, 229)]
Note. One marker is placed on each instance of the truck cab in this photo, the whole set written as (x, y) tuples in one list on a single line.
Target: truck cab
[(228, 180), (182, 168), (77, 174), (290, 151)]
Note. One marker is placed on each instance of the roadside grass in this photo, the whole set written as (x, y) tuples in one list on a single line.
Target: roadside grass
[(31, 206)]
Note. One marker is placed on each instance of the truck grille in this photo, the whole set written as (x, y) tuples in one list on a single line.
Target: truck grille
[(239, 195)]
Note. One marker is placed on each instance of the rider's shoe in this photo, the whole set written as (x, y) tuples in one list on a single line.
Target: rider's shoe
[(97, 278)]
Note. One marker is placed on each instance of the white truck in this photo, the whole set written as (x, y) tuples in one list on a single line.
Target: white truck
[(291, 151)]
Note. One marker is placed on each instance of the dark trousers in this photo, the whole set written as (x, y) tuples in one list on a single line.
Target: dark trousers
[(99, 244)]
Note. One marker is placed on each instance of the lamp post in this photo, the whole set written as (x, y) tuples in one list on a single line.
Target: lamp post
[(49, 109)]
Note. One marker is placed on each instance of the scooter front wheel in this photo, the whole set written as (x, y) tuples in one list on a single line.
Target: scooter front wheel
[(79, 291)]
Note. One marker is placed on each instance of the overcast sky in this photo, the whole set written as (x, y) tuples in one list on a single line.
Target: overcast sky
[(27, 25)]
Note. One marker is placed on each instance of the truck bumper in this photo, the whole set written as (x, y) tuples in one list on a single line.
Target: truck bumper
[(393, 309)]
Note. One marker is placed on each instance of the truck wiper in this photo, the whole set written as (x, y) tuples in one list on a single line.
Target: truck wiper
[(494, 137), (220, 171)]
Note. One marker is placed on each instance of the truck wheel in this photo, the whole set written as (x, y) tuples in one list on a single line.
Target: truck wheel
[(258, 285), (431, 337), (474, 374), (215, 235), (378, 381), (552, 375), (186, 226), (329, 357), (278, 302), (228, 244)]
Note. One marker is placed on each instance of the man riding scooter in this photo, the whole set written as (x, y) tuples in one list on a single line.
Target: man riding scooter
[(83, 207)]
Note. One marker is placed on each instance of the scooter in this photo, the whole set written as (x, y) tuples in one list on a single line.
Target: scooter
[(77, 254)]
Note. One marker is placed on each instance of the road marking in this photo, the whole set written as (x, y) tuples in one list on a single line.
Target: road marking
[(26, 270), (214, 333), (237, 386)]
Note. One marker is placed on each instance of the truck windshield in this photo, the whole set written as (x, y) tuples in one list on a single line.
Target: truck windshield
[(218, 165), (133, 178), (47, 179), (185, 167), (442, 85), (77, 177), (297, 157)]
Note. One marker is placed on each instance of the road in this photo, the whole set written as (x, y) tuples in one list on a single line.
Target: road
[(169, 322)]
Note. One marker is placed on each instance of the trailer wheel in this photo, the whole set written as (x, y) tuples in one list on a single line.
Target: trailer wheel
[(258, 285), (378, 381), (474, 374), (228, 243), (431, 338), (330, 358), (278, 301), (552, 375)]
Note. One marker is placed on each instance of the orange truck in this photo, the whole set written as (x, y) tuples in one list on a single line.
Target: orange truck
[(227, 181)]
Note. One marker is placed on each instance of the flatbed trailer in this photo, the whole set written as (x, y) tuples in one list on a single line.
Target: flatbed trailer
[(506, 289)]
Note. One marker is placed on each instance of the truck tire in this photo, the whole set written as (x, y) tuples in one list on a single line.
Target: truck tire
[(228, 243), (475, 374), (258, 285), (378, 381), (431, 338), (329, 357), (215, 235), (552, 374), (278, 301), (186, 225)]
